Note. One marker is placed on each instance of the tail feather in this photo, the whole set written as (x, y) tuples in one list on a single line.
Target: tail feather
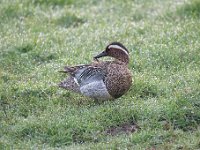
[(69, 70), (70, 84), (62, 71), (72, 70)]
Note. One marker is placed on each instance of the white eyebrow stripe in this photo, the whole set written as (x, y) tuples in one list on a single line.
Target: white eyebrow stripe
[(118, 47)]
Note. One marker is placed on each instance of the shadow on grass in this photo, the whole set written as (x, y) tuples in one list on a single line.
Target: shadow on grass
[(20, 58), (53, 2), (64, 2), (69, 20), (190, 9), (14, 10)]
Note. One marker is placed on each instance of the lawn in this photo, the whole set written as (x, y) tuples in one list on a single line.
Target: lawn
[(39, 37)]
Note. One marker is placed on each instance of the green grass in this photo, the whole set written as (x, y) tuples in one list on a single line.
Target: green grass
[(38, 38)]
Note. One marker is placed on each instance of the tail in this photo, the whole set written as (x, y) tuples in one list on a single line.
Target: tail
[(70, 84), (72, 70), (69, 70)]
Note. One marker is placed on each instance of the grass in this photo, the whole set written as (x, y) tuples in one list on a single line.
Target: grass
[(39, 37)]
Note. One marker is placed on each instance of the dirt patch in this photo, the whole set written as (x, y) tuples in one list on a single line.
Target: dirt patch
[(126, 128)]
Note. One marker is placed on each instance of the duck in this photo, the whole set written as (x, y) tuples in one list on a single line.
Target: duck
[(101, 80)]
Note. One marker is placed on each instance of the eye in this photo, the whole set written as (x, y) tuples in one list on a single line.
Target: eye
[(108, 49)]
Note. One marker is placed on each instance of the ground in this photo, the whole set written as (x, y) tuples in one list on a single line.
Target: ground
[(39, 37)]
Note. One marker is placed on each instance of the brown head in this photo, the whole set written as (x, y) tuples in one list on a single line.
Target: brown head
[(117, 51)]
